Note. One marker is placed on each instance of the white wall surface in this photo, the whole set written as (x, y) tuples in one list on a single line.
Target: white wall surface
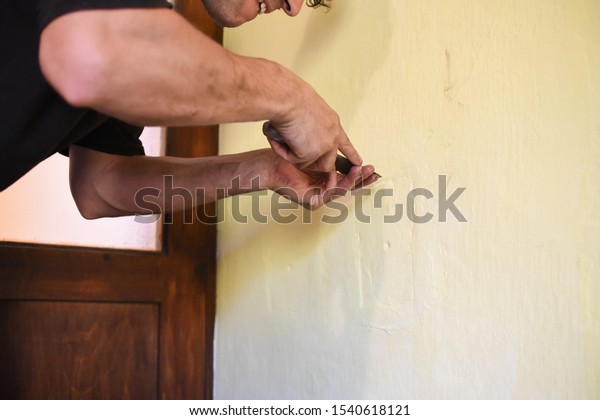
[(502, 97)]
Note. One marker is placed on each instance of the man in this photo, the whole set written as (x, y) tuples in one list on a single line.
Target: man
[(82, 77)]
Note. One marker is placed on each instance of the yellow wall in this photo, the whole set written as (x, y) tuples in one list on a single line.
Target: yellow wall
[(502, 97)]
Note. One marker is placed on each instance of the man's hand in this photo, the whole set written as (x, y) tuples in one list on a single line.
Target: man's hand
[(312, 189), (312, 135)]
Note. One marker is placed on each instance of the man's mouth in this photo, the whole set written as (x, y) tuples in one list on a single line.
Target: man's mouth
[(262, 7)]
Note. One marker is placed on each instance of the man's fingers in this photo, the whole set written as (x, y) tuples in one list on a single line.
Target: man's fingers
[(353, 177), (357, 177), (283, 151), (332, 180), (342, 184), (350, 152)]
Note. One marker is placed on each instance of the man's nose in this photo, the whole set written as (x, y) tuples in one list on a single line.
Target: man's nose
[(292, 7)]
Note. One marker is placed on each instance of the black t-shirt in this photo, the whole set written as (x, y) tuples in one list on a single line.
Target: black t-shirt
[(35, 122)]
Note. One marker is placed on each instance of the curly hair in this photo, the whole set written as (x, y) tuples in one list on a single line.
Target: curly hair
[(318, 3)]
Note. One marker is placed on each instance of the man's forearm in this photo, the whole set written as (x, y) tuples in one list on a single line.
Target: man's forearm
[(106, 185), (160, 71)]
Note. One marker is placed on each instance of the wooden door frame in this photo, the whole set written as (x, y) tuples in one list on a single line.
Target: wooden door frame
[(180, 278)]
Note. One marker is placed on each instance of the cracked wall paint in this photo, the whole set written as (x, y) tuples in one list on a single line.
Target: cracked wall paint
[(501, 97)]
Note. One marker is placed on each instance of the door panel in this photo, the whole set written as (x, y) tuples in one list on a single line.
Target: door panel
[(77, 350), (104, 323)]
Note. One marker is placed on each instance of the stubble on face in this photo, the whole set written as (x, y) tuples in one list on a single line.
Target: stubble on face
[(231, 13)]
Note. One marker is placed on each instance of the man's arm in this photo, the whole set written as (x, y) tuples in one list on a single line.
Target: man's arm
[(105, 185), (151, 67)]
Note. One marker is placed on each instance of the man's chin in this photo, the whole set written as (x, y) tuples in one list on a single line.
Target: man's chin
[(239, 22), (229, 21), (230, 24)]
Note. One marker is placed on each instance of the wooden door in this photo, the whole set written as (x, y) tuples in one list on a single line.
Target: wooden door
[(79, 323)]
